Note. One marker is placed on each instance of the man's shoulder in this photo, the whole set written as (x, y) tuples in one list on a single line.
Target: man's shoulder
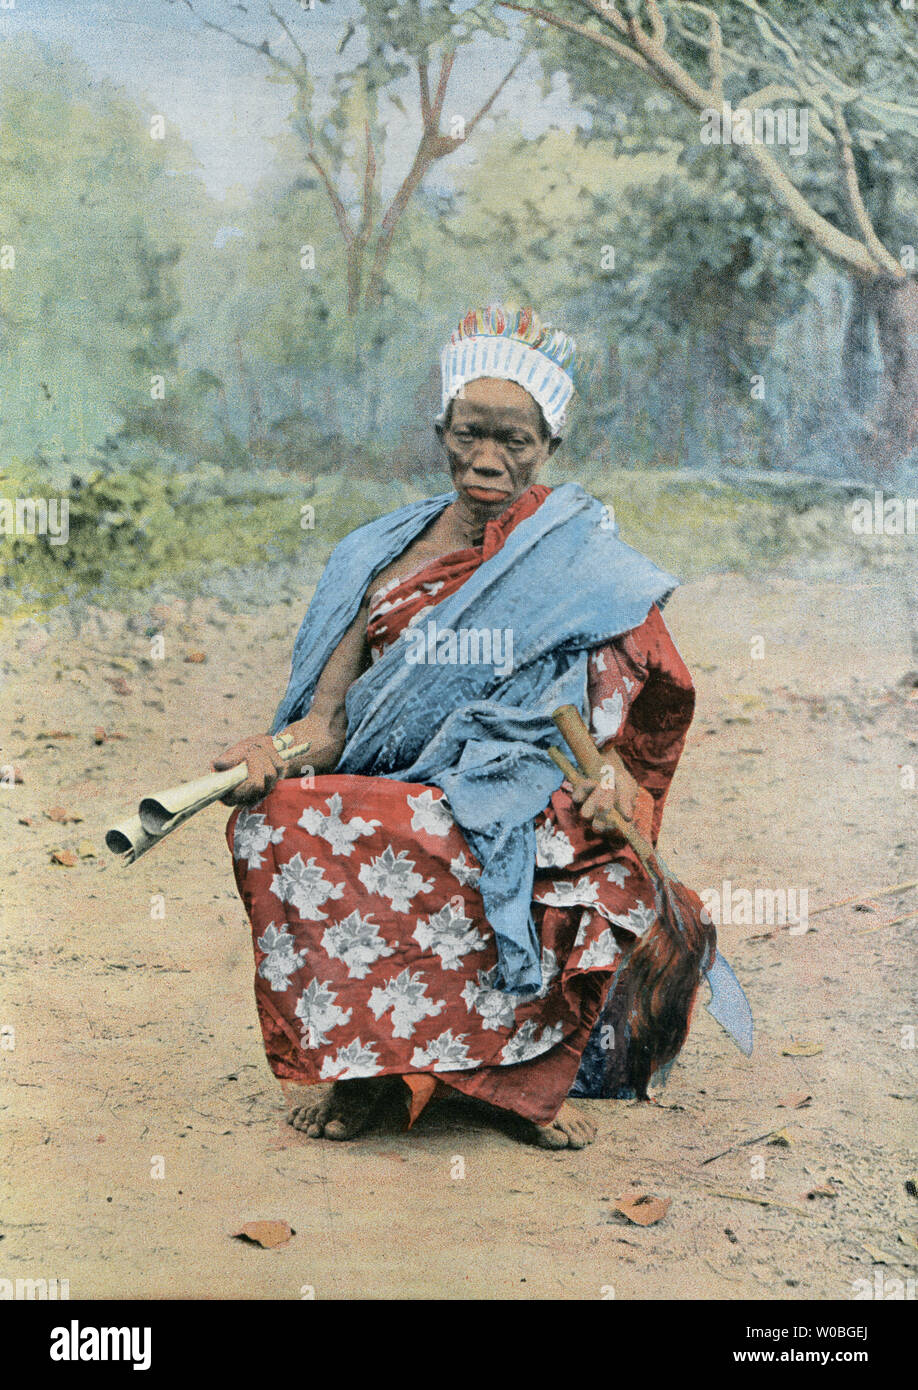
[(392, 522)]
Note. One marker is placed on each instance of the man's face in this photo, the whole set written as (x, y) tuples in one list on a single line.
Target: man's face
[(494, 444)]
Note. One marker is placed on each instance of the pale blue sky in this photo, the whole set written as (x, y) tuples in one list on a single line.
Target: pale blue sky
[(215, 91)]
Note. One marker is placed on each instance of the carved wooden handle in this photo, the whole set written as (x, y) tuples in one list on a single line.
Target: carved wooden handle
[(577, 737)]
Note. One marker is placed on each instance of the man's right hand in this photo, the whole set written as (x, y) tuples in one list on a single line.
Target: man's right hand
[(264, 765)]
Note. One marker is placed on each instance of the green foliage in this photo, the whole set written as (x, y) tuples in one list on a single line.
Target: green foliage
[(865, 52), (96, 212), (245, 536), (132, 529), (693, 526), (127, 271)]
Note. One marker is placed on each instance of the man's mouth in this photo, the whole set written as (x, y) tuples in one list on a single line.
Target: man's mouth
[(486, 494)]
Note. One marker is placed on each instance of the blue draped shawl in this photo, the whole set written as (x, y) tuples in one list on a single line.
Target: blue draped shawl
[(561, 584)]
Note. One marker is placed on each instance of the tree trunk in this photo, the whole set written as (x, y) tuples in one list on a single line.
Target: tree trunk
[(859, 384), (894, 305), (896, 309)]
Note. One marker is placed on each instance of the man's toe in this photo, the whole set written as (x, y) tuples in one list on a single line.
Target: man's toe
[(568, 1130), (308, 1118), (583, 1131), (338, 1129), (551, 1137)]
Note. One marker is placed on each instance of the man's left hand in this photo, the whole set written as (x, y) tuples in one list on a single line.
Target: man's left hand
[(596, 804)]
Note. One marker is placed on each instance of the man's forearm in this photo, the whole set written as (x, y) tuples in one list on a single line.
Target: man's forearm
[(325, 726), (326, 738)]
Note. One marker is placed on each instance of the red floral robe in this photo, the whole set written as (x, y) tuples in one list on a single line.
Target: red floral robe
[(373, 955)]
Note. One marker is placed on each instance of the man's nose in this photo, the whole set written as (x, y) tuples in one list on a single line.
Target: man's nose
[(488, 457)]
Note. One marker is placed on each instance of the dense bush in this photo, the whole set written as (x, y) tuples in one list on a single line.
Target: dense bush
[(134, 528)]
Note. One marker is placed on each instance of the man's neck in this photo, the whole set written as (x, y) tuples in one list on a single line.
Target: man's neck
[(469, 527)]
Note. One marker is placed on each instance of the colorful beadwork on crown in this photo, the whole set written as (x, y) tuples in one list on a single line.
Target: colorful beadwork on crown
[(512, 345)]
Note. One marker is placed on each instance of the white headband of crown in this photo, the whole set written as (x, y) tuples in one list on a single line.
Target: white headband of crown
[(510, 360)]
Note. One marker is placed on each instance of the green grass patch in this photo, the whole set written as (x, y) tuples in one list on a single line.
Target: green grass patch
[(144, 529), (138, 529)]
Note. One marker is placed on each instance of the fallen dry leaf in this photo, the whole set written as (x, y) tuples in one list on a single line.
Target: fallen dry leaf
[(796, 1101), (120, 685), (66, 857), (28, 820), (267, 1234), (908, 1238), (802, 1049), (820, 1192), (99, 735), (878, 1256), (781, 1138), (85, 849), (54, 733), (195, 658), (643, 1208), (63, 816)]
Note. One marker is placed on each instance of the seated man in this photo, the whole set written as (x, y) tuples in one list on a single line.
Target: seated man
[(432, 907)]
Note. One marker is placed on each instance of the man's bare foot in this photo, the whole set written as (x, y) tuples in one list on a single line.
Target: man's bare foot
[(344, 1111), (568, 1130)]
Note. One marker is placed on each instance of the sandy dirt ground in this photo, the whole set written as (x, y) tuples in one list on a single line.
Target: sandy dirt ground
[(131, 1046)]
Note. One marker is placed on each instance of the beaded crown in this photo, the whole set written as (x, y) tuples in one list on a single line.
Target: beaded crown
[(513, 345)]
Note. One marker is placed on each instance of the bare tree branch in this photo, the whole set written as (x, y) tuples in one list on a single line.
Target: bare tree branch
[(647, 52), (715, 39), (620, 50), (424, 83), (485, 108), (875, 103), (275, 14), (777, 91), (446, 67), (668, 72), (842, 91), (874, 245), (607, 12), (369, 179), (657, 23), (263, 48), (773, 31), (715, 55), (300, 77), (340, 210), (835, 243), (433, 146), (422, 162)]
